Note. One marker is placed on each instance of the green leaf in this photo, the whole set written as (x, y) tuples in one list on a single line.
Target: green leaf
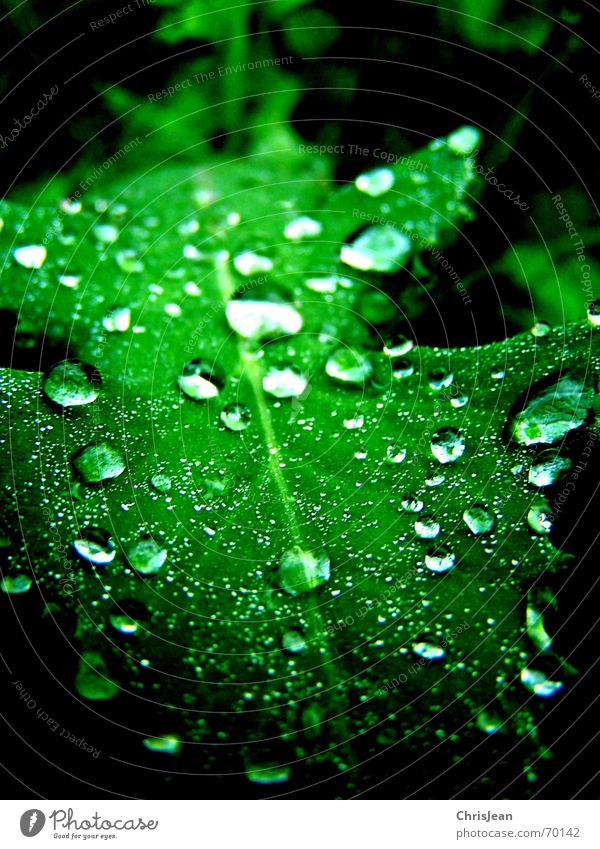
[(330, 553)]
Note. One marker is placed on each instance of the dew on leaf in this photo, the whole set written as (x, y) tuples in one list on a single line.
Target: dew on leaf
[(402, 368), (302, 228), (354, 420), (479, 519), (98, 461), (199, 381), (427, 527), (301, 571), (395, 453), (440, 378), (398, 345), (540, 329), (447, 445), (30, 256), (440, 559), (146, 556), (71, 384), (379, 248), (349, 366), (95, 545), (262, 319), (284, 380), (236, 416), (412, 504), (376, 182), (552, 412)]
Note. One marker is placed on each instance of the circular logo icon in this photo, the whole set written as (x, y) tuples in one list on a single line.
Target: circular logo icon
[(32, 822)]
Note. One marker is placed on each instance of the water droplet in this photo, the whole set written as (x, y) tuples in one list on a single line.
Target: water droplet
[(30, 256), (71, 281), (107, 233), (428, 650), (538, 517), (161, 482), (284, 380), (302, 228), (426, 527), (593, 313), (398, 345), (249, 264), (117, 320), (293, 641), (236, 416), (92, 680), (447, 445), (479, 519), (349, 366), (328, 285), (440, 559), (489, 723), (412, 504), (198, 380), (540, 328), (459, 401), (395, 453), (98, 461), (498, 372), (380, 248), (402, 368), (376, 182), (464, 141), (440, 378), (16, 584), (262, 319), (435, 480), (536, 630), (96, 546), (125, 616), (128, 261), (167, 745), (301, 571), (548, 468), (72, 384), (70, 206), (538, 683), (552, 412), (268, 774), (146, 556)]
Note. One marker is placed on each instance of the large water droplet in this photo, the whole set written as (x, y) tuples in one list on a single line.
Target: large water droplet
[(428, 650), (167, 745), (268, 774), (447, 445), (538, 683), (301, 571), (16, 584), (412, 503), (249, 264), (125, 616), (302, 228), (440, 559), (262, 319), (71, 384), (284, 380), (118, 320), (96, 546), (199, 381), (402, 368), (479, 519), (398, 345), (30, 256), (92, 680), (293, 641), (440, 378), (548, 468), (378, 249), (98, 461), (552, 412), (146, 556), (464, 141), (376, 182), (539, 517), (236, 416), (349, 366), (395, 453), (427, 527), (536, 630)]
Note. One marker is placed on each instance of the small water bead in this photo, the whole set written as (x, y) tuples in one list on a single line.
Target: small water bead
[(262, 319), (118, 320), (146, 556), (129, 261), (354, 420), (540, 329), (302, 228), (440, 378), (593, 313), (301, 571), (398, 346), (31, 256), (328, 285), (412, 503), (402, 368), (199, 381), (107, 233), (538, 683), (293, 641), (489, 723), (284, 380), (498, 373), (70, 281), (376, 182), (539, 517), (447, 445), (552, 412), (464, 141), (440, 559), (379, 248), (125, 616), (428, 650), (70, 206), (98, 461), (71, 383), (249, 264), (16, 584), (459, 401), (479, 519), (427, 527), (435, 480), (548, 468), (96, 546), (349, 366), (167, 745), (236, 417), (395, 453)]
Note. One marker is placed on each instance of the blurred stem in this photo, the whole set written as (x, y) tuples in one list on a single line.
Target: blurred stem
[(235, 55)]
